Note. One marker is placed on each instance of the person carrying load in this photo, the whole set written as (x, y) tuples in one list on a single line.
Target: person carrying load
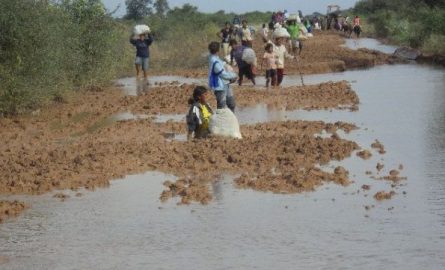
[(220, 79), (142, 40), (280, 36), (295, 32)]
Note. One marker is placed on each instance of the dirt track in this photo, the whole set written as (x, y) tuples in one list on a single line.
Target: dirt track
[(72, 145)]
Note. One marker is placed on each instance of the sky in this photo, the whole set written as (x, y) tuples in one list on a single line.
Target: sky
[(241, 6)]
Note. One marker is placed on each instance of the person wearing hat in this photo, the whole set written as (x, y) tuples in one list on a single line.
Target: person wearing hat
[(198, 117)]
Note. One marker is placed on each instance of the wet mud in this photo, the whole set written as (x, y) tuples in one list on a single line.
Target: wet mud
[(9, 209), (78, 144)]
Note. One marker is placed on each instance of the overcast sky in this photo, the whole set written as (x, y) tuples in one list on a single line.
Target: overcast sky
[(241, 6)]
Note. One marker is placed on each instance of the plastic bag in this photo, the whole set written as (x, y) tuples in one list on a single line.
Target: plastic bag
[(224, 123), (249, 56), (141, 29)]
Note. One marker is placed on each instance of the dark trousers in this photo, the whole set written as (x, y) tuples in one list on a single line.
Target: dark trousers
[(280, 76)]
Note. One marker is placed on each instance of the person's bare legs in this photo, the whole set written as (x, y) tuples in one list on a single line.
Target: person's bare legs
[(138, 70), (145, 75)]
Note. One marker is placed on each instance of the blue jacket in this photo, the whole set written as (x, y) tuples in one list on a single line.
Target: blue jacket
[(142, 46), (218, 77)]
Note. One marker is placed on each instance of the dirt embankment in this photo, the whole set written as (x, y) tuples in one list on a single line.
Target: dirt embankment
[(65, 148)]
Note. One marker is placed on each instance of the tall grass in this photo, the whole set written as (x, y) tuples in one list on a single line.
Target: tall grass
[(47, 48)]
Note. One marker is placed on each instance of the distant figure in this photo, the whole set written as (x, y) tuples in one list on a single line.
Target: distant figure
[(300, 13), (226, 35), (142, 45), (236, 21), (220, 79), (244, 69), (295, 31), (357, 28), (271, 65), (286, 15), (246, 38), (198, 117), (265, 33)]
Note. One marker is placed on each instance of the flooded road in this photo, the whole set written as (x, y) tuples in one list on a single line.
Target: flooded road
[(126, 227)]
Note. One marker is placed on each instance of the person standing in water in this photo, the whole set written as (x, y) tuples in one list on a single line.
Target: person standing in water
[(220, 79), (142, 44), (357, 28)]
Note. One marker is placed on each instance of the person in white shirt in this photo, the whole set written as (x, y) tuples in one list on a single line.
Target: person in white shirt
[(265, 33), (281, 35), (246, 38)]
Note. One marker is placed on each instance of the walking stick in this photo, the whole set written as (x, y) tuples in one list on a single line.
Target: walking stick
[(299, 70)]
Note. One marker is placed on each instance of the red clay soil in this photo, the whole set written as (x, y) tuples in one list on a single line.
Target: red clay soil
[(74, 144)]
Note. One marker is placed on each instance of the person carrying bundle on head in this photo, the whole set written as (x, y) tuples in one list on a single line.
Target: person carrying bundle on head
[(142, 40)]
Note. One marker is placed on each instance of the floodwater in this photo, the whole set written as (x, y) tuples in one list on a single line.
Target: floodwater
[(370, 43), (126, 227), (133, 87)]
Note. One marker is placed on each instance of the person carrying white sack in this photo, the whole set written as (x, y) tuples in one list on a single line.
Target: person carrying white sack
[(223, 122), (220, 79), (280, 36), (142, 40)]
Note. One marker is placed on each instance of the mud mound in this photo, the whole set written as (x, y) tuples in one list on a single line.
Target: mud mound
[(10, 209), (323, 96), (365, 154), (382, 195), (174, 99)]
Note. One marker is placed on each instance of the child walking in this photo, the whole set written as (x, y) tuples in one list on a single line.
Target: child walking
[(282, 53), (271, 65), (198, 118)]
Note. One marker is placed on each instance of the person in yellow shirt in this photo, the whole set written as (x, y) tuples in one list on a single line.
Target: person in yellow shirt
[(198, 117)]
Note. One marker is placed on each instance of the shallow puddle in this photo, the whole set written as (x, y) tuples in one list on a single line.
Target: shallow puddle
[(133, 87)]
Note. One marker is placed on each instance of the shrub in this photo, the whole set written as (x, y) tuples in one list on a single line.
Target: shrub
[(46, 49)]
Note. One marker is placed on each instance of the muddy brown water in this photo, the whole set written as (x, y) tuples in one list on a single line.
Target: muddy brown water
[(126, 227)]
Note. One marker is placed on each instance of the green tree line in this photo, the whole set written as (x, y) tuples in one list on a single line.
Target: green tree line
[(416, 23)]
